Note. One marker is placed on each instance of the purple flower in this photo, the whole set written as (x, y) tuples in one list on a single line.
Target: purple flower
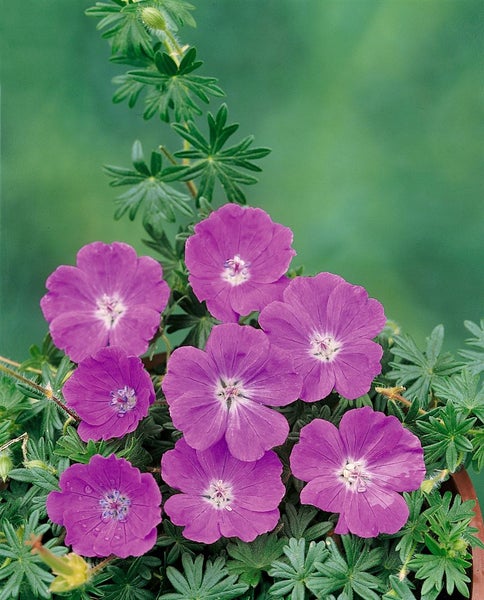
[(111, 392), (107, 506), (223, 392), (222, 496), (326, 325), (237, 259), (359, 470), (111, 298)]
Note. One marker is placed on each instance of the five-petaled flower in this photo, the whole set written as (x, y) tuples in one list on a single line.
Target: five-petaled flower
[(107, 507), (111, 392), (111, 298), (359, 470), (326, 325), (221, 495), (237, 260), (225, 391)]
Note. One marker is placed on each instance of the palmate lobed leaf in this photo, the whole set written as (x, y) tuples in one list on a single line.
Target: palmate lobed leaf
[(421, 369), (211, 162), (122, 26), (174, 87), (475, 358), (197, 582), (24, 567), (250, 559), (160, 201)]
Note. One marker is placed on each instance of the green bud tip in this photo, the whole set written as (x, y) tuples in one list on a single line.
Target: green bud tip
[(153, 19)]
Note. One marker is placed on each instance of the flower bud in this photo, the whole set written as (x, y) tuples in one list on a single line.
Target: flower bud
[(71, 570), (152, 18), (6, 465)]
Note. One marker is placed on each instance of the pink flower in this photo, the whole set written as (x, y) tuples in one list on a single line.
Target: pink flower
[(111, 298), (237, 260), (326, 324), (111, 392), (222, 496), (359, 470), (107, 507), (225, 391)]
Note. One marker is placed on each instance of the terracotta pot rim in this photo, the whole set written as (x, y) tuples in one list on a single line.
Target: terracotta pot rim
[(463, 485)]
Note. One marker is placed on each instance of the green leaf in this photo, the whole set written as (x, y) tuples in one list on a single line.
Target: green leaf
[(465, 391), (250, 559), (296, 523), (444, 437), (211, 162), (199, 583), (23, 567), (475, 359), (349, 574), (160, 201), (71, 446), (129, 581), (174, 87), (122, 27), (421, 369), (293, 574)]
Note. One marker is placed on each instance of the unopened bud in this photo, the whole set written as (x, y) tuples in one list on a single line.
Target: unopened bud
[(71, 570), (6, 465), (153, 19), (39, 464)]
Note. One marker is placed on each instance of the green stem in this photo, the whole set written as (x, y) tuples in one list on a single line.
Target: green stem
[(44, 391)]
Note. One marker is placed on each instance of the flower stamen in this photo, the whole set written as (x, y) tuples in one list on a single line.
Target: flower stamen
[(219, 494), (123, 400), (324, 347), (230, 391), (110, 309), (115, 505), (236, 270), (355, 477)]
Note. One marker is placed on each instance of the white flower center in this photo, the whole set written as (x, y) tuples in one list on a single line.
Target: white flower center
[(230, 391), (236, 270), (219, 494), (354, 475), (110, 309), (324, 347), (123, 400), (115, 505)]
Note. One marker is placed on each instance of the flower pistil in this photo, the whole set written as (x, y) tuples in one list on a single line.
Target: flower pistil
[(219, 494), (110, 309), (355, 476), (236, 270), (115, 505), (324, 347)]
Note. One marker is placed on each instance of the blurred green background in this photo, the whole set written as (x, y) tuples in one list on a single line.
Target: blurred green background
[(373, 108)]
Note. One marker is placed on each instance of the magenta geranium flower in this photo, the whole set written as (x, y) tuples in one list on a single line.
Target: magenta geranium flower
[(111, 393), (107, 507), (237, 259), (326, 325), (222, 496), (225, 391), (359, 470), (111, 298)]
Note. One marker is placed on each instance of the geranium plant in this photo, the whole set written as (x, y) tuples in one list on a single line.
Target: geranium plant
[(213, 423)]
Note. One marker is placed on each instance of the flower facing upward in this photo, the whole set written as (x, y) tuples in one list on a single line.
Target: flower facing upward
[(107, 507), (111, 298), (237, 260), (326, 325), (359, 470), (111, 392), (223, 392), (222, 496)]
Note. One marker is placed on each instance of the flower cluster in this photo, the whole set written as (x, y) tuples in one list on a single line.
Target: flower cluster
[(306, 338)]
